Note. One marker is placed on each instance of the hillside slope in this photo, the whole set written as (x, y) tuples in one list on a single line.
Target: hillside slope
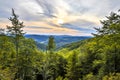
[(60, 40)]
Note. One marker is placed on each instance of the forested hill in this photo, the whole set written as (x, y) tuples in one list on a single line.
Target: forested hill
[(60, 40), (75, 45), (97, 58)]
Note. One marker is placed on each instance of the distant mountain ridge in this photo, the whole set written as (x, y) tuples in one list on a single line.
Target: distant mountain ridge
[(60, 40)]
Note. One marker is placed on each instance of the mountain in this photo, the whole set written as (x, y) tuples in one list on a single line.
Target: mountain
[(42, 40), (74, 45)]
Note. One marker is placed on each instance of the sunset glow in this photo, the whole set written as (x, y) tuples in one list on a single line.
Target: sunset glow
[(58, 16), (60, 21)]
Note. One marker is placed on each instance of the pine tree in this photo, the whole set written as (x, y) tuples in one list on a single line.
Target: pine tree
[(109, 40), (110, 26), (72, 67), (16, 32), (51, 44), (16, 29)]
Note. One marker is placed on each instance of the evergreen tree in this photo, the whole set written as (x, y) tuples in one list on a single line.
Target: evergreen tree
[(110, 26), (16, 29), (109, 43), (16, 32), (73, 68), (51, 44)]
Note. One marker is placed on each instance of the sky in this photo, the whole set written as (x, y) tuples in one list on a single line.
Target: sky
[(58, 17)]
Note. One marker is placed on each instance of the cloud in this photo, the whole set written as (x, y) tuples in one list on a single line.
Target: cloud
[(47, 8), (78, 16), (37, 27), (71, 26), (93, 7)]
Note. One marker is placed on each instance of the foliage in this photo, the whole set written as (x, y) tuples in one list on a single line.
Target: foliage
[(112, 76), (51, 44), (97, 58)]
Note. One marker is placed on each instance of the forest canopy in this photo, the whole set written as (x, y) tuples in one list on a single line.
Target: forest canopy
[(97, 58)]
